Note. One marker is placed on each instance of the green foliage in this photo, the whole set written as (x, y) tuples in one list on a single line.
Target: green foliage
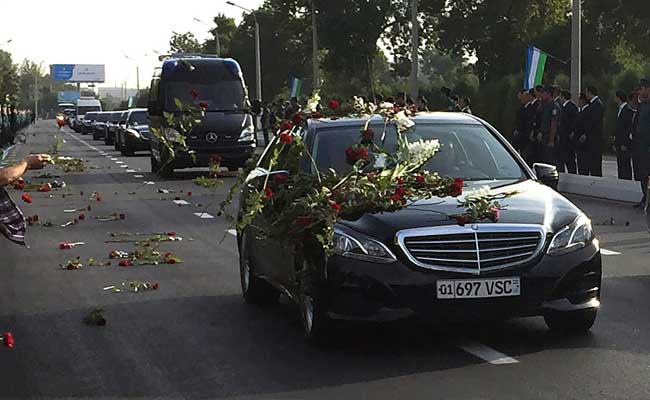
[(184, 43)]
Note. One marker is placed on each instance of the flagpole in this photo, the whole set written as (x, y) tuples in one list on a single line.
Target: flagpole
[(576, 52)]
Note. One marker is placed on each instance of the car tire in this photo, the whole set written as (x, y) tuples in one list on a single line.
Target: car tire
[(107, 140), (155, 167), (166, 166), (117, 142), (127, 151), (316, 323), (255, 290), (96, 136), (572, 321)]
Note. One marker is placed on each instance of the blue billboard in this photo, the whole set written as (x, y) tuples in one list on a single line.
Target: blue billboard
[(67, 97), (78, 72)]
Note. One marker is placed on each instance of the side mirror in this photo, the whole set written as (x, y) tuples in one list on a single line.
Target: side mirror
[(547, 174)]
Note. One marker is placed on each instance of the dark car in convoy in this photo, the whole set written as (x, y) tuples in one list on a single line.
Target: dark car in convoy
[(135, 135), (540, 259), (100, 124), (227, 126), (87, 122), (111, 127)]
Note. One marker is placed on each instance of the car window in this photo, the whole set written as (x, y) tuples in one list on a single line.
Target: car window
[(138, 118), (470, 152)]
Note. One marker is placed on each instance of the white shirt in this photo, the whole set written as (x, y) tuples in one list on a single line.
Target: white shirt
[(594, 99), (565, 103), (620, 109)]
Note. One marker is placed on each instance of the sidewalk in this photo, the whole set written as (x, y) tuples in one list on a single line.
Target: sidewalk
[(609, 187)]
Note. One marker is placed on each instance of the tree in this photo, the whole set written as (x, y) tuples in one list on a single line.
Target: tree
[(225, 28), (8, 77), (184, 43)]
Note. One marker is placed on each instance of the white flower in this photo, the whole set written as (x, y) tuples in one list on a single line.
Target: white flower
[(476, 194), (422, 150), (403, 122), (386, 106), (313, 102), (380, 161)]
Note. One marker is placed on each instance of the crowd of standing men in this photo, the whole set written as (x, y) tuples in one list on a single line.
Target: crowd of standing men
[(552, 129), (11, 121)]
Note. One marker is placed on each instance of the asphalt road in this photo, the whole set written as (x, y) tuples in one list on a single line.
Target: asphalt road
[(195, 337)]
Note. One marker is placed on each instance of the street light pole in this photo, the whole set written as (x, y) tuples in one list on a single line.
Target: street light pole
[(576, 49), (415, 42), (36, 92), (258, 65), (137, 72), (314, 30), (216, 35)]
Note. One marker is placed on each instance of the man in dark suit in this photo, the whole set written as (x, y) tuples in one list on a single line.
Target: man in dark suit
[(641, 139), (592, 138), (623, 140), (519, 135), (566, 141)]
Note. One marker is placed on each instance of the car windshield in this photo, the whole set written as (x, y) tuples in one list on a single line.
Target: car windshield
[(470, 152), (216, 85), (91, 116), (138, 118), (82, 110)]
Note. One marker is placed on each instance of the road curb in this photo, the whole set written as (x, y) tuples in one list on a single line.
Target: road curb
[(601, 187)]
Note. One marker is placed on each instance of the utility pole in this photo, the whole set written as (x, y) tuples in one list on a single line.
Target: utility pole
[(258, 61), (36, 92), (576, 50), (137, 77), (415, 43), (314, 30)]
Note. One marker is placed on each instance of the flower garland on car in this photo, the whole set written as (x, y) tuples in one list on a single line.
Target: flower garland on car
[(303, 206)]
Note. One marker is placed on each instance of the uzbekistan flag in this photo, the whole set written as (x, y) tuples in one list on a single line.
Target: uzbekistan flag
[(535, 63)]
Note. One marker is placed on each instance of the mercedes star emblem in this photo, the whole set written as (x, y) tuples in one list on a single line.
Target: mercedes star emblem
[(211, 137)]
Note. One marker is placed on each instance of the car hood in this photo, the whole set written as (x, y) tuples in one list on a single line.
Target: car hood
[(533, 203), (229, 124)]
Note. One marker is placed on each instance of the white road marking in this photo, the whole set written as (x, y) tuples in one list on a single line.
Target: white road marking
[(124, 166), (204, 215), (138, 176), (486, 353), (606, 252), (113, 159), (118, 162), (232, 232), (130, 170), (181, 202)]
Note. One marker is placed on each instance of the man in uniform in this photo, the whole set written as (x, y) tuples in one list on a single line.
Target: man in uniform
[(566, 142), (518, 135), (592, 137), (546, 136), (622, 135), (641, 139)]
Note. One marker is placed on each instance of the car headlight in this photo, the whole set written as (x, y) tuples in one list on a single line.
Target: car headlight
[(248, 132), (133, 133), (573, 237), (361, 248)]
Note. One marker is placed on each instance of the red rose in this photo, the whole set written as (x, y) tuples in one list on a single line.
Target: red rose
[(35, 218), (280, 178), (19, 185), (333, 104), (495, 214), (316, 115), (353, 154), (194, 94), (336, 207), (189, 194), (397, 198), (296, 118), (400, 191), (456, 188), (122, 216), (462, 219), (171, 261), (400, 181), (45, 188), (203, 105), (367, 136), (171, 233), (268, 193), (168, 254), (286, 138), (8, 340), (98, 198), (304, 221), (125, 263), (27, 198), (420, 179), (65, 246), (286, 126), (81, 216), (215, 159), (177, 198), (156, 286)]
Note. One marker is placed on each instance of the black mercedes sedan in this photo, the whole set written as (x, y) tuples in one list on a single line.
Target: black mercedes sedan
[(540, 259)]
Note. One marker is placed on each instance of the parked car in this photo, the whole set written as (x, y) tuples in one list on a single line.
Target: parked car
[(121, 125), (541, 258), (87, 122), (227, 127), (111, 127), (100, 125), (136, 135)]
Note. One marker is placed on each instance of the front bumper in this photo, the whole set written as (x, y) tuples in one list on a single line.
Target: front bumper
[(232, 155), (136, 143), (368, 291)]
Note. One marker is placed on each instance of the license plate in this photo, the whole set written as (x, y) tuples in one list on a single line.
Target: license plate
[(478, 288)]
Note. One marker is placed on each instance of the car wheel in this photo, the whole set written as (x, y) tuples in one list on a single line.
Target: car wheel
[(155, 167), (572, 321), (166, 166), (316, 323), (126, 151), (255, 290), (107, 140)]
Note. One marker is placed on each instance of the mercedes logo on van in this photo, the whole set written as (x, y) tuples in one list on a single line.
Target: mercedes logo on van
[(475, 227), (211, 137)]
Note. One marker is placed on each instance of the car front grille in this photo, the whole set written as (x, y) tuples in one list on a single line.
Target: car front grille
[(472, 249)]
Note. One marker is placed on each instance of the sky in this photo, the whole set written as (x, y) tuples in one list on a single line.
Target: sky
[(103, 32)]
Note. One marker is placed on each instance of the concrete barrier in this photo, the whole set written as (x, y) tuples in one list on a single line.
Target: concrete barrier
[(603, 188)]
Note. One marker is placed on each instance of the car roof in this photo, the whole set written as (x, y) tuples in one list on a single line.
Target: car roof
[(440, 117), (137, 110)]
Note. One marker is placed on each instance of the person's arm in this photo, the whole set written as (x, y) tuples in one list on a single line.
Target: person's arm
[(34, 161)]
